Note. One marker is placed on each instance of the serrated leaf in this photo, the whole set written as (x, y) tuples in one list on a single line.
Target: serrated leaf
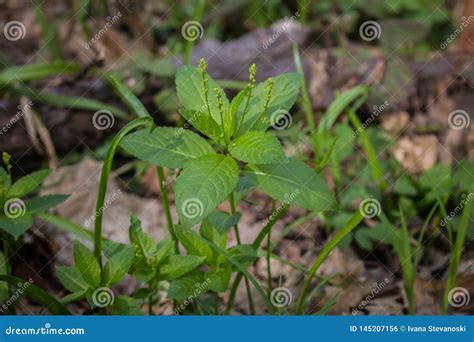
[(202, 122), (293, 182), (71, 279), (27, 184), (203, 185), (219, 279), (166, 146), (44, 203), (189, 286), (285, 90), (190, 90), (223, 221), (178, 265), (243, 254), (117, 266), (86, 264), (142, 243), (192, 243), (16, 226), (126, 306), (258, 148)]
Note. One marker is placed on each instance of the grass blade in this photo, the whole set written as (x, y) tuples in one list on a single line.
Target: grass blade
[(341, 234)]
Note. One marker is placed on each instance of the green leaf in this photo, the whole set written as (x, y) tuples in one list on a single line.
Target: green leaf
[(86, 264), (127, 96), (219, 279), (4, 291), (188, 287), (285, 90), (294, 182), (244, 186), (43, 203), (32, 72), (178, 265), (337, 106), (203, 123), (190, 90), (71, 279), (244, 254), (69, 102), (404, 186), (16, 226), (203, 185), (223, 221), (258, 148), (117, 266), (193, 244), (143, 244), (125, 306), (166, 146), (42, 297), (27, 184)]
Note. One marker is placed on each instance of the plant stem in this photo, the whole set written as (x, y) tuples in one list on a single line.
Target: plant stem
[(104, 178), (341, 233), (256, 245), (456, 252), (269, 252), (166, 206), (237, 236), (308, 107), (188, 46), (375, 167)]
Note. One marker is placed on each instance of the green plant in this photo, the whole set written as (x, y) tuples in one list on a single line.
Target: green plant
[(237, 155)]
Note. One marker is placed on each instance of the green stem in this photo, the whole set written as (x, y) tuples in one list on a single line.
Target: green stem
[(375, 167), (104, 178), (166, 206), (456, 252), (197, 16), (256, 245), (341, 233), (307, 105), (237, 236), (269, 252)]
